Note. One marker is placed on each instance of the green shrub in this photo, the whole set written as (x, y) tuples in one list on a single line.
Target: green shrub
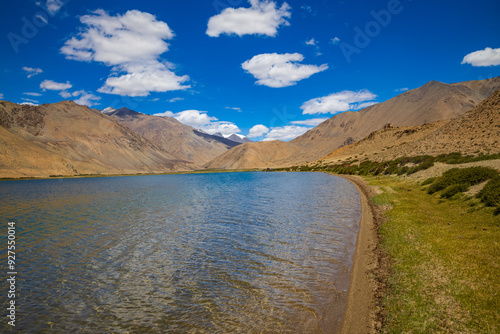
[(438, 185), (471, 175), (468, 176), (454, 189), (428, 181), (490, 194)]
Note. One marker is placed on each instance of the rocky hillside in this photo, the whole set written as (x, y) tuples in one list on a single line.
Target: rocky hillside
[(180, 140), (68, 139), (475, 132), (432, 102)]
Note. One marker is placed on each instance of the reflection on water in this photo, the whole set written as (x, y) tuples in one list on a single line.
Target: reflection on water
[(201, 253)]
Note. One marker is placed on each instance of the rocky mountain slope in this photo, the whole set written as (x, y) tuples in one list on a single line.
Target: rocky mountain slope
[(432, 102), (475, 132), (181, 141), (68, 139)]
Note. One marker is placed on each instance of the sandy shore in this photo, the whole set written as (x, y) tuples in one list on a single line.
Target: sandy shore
[(361, 310)]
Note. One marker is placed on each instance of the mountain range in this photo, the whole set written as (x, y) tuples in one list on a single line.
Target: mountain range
[(473, 133), (69, 139), (432, 102), (182, 141)]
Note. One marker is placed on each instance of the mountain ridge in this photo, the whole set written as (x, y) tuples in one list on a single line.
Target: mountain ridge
[(65, 138), (434, 101)]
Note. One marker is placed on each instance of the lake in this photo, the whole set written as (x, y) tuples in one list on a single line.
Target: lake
[(194, 253)]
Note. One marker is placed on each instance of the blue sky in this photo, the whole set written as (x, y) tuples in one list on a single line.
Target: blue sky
[(267, 69)]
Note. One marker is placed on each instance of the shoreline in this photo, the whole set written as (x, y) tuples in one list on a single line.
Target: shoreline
[(198, 171), (361, 312)]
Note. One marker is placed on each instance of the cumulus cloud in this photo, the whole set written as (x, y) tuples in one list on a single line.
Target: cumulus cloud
[(338, 102), (52, 85), (201, 120), (312, 41), (165, 114), (28, 104), (65, 94), (132, 44), (1, 96), (226, 128), (32, 71), (310, 122), (280, 70), (486, 57), (262, 18), (85, 98), (257, 131), (194, 118), (286, 133)]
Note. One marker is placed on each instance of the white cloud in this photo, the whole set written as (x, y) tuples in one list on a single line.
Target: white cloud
[(42, 18), (1, 96), (201, 120), (312, 41), (30, 100), (132, 44), (142, 83), (226, 128), (285, 133), (486, 57), (165, 114), (234, 108), (32, 94), (53, 6), (335, 40), (28, 104), (310, 122), (257, 131), (338, 102), (262, 18), (175, 99), (86, 98), (52, 85), (401, 89), (280, 70), (65, 94), (194, 118), (32, 71)]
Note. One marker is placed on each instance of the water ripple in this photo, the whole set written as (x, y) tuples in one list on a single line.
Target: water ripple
[(207, 253)]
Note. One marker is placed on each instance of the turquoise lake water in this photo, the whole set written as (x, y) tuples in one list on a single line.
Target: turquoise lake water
[(194, 253)]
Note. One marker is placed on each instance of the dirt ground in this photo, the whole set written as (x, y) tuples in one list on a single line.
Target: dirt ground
[(362, 312)]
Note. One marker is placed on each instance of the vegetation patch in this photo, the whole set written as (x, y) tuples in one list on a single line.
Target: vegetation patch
[(445, 270), (453, 182), (458, 180)]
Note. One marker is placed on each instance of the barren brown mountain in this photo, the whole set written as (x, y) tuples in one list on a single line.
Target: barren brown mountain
[(182, 141), (68, 139), (473, 133), (432, 102)]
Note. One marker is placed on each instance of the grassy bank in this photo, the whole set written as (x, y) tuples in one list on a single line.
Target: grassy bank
[(444, 271)]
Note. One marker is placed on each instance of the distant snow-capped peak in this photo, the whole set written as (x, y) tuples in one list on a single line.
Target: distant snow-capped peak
[(108, 110)]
